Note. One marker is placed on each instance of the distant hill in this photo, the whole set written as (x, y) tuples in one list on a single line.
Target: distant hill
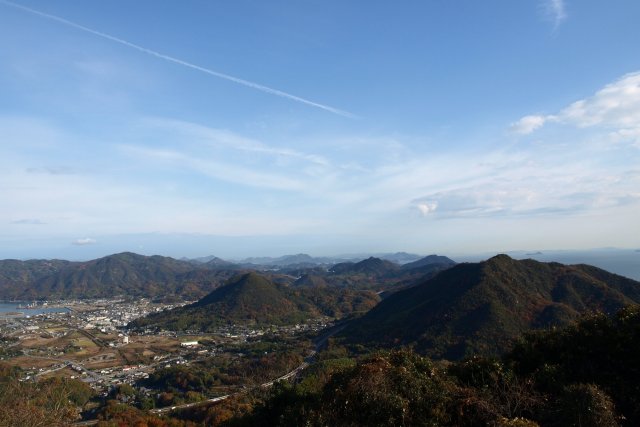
[(370, 266), (159, 277), (210, 261), (298, 260), (216, 263), (253, 298), (480, 307), (120, 274), (382, 275), (399, 257), (429, 261), (286, 261)]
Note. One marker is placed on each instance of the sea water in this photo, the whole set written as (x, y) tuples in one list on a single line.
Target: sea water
[(13, 307)]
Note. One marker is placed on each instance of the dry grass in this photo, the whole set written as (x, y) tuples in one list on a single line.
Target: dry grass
[(28, 362)]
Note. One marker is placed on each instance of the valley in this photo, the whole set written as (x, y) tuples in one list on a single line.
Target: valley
[(91, 343), (225, 353)]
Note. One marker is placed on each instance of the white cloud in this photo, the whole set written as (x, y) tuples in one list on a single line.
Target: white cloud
[(527, 124), (616, 107), (162, 185), (630, 135), (556, 191), (427, 207), (83, 242)]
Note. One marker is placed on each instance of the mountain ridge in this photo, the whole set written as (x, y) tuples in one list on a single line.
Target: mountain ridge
[(253, 298), (125, 273), (479, 307)]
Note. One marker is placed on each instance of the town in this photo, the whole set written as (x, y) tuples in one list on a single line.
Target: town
[(90, 341)]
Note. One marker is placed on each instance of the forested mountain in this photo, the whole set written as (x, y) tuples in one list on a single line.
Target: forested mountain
[(375, 273), (370, 266), (136, 275), (429, 262), (583, 375), (255, 299), (16, 273), (120, 274), (478, 308)]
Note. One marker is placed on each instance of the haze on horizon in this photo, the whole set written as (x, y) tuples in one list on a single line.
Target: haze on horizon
[(248, 128)]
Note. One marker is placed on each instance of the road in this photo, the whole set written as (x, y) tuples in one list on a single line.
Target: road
[(67, 363), (319, 343)]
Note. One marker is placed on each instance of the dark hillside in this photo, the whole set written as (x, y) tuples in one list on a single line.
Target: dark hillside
[(255, 299), (430, 261), (16, 276), (481, 307), (125, 274), (370, 266)]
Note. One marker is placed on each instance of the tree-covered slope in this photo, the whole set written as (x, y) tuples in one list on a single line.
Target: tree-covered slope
[(375, 273), (253, 298), (126, 274), (16, 275), (480, 307)]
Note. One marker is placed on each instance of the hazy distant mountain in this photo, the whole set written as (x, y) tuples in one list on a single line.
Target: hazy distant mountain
[(253, 298), (289, 261), (202, 260), (372, 273), (430, 261), (480, 307), (216, 262), (308, 260), (399, 257), (383, 275)]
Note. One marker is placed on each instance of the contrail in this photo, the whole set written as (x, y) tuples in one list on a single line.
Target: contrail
[(181, 62)]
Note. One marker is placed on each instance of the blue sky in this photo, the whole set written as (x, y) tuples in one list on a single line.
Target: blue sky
[(260, 128)]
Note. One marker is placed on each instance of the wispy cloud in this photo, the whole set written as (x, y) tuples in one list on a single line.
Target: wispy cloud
[(173, 177), (555, 11), (190, 65), (224, 155), (220, 170), (558, 193), (220, 137), (28, 221), (53, 170)]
